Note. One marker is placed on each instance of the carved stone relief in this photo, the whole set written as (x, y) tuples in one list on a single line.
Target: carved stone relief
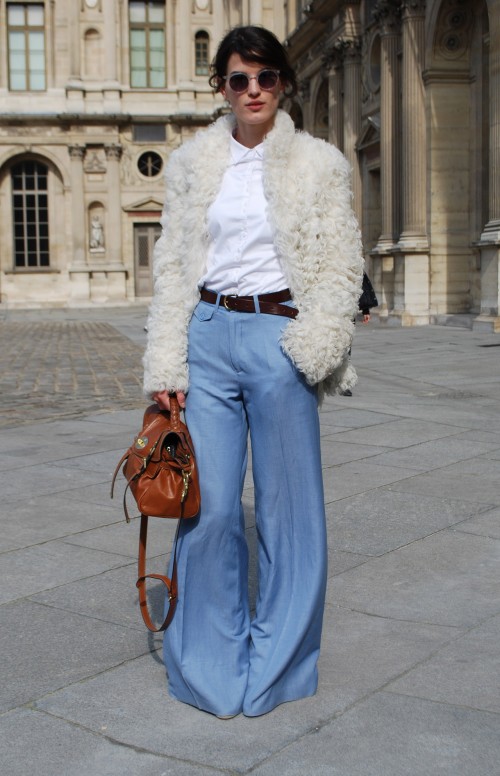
[(453, 29), (413, 8), (387, 14), (94, 161)]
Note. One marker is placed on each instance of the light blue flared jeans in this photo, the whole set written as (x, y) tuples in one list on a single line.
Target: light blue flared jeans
[(218, 657)]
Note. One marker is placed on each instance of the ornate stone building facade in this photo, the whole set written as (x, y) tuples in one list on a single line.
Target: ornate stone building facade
[(94, 94), (410, 91)]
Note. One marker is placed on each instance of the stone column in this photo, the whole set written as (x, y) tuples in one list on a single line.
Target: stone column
[(114, 221), (414, 126), (333, 62), (412, 266), (78, 215), (352, 114), (388, 17)]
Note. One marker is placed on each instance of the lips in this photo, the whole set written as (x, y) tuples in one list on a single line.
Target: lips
[(255, 105)]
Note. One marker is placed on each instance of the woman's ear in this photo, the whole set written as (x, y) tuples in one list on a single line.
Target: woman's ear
[(221, 86)]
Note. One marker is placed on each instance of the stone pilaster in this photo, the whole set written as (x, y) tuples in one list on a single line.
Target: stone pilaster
[(414, 232), (114, 221), (110, 48), (74, 50), (77, 153), (412, 261), (351, 50), (388, 17), (333, 63)]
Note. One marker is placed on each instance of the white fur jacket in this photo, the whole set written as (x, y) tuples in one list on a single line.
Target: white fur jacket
[(307, 186)]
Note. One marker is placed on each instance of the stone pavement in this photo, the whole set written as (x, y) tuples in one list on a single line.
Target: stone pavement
[(410, 664)]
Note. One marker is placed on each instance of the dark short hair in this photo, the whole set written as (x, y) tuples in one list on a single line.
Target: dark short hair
[(254, 44)]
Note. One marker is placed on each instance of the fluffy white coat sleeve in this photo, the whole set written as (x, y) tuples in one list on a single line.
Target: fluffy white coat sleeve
[(328, 282), (165, 358)]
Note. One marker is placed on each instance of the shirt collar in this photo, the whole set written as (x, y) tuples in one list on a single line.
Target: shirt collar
[(241, 153)]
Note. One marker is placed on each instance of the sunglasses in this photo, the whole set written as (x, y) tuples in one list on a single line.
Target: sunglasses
[(239, 82)]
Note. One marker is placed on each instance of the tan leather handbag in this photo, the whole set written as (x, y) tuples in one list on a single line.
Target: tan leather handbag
[(160, 469)]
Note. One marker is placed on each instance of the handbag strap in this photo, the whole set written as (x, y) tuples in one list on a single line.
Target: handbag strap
[(115, 473), (171, 584), (175, 412)]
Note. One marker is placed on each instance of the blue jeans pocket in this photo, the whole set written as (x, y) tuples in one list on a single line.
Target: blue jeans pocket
[(204, 311)]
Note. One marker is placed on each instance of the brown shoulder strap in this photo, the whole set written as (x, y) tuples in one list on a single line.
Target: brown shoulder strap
[(171, 584)]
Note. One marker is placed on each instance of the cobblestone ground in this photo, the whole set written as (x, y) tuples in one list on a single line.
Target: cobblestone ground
[(65, 368)]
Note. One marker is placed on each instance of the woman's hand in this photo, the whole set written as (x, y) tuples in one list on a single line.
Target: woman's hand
[(162, 398)]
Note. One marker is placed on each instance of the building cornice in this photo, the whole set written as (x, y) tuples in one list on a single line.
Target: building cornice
[(447, 76), (114, 119)]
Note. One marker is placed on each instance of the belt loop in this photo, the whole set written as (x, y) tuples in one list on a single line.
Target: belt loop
[(256, 303), (217, 302)]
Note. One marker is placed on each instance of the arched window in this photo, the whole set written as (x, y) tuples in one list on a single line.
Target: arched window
[(201, 53), (30, 214)]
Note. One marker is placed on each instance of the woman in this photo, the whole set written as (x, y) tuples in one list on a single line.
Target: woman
[(257, 276), (368, 298)]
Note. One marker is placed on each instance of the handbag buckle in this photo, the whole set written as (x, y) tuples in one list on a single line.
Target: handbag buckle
[(185, 480)]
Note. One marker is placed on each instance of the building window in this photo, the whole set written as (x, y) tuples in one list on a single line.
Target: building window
[(30, 214), (201, 53), (150, 164), (26, 36), (149, 133), (147, 44)]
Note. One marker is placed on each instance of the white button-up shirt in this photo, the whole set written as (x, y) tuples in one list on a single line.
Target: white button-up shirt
[(242, 258)]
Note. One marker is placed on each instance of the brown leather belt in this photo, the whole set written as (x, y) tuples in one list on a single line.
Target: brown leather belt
[(268, 303)]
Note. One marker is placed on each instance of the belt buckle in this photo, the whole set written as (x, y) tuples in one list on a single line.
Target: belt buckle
[(229, 296)]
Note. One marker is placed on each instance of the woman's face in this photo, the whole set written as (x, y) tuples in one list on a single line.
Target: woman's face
[(254, 107)]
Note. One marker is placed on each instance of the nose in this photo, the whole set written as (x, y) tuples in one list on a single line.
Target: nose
[(253, 85)]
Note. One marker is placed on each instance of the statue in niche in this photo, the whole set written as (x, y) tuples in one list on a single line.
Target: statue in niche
[(96, 234)]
